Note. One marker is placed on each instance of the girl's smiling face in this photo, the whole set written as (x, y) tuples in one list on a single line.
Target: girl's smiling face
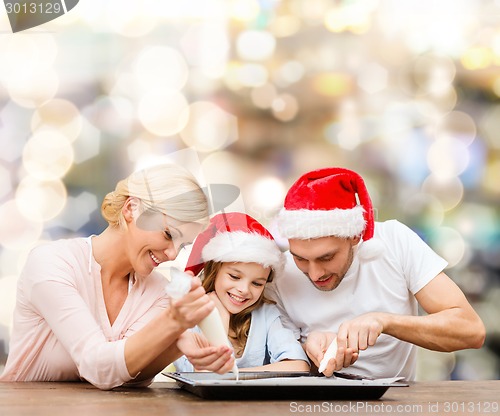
[(240, 285)]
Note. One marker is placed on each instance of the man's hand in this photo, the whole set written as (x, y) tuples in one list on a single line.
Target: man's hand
[(362, 332), (316, 345), (203, 356)]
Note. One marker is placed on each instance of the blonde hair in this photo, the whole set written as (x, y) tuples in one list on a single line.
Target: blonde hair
[(166, 188), (239, 323)]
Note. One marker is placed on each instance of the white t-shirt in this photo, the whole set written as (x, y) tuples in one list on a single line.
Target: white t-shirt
[(386, 284)]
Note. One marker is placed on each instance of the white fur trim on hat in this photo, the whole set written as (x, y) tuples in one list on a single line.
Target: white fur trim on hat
[(305, 224), (244, 247)]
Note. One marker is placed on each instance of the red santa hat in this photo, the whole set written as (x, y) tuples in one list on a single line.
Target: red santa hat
[(235, 237), (330, 202)]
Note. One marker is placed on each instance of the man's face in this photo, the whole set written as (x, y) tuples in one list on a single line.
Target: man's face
[(325, 260)]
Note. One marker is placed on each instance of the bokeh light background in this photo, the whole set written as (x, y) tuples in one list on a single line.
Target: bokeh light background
[(405, 92)]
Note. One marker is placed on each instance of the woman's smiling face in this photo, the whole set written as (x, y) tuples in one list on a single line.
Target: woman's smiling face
[(154, 239), (240, 285)]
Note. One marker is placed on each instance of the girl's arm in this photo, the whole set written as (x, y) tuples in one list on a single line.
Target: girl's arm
[(285, 365)]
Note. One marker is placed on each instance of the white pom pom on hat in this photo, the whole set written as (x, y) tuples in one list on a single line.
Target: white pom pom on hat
[(331, 202)]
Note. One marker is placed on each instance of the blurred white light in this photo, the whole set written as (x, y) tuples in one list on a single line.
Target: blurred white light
[(348, 16), (447, 157), (449, 244), (225, 168), (267, 194), (24, 54), (88, 143), (429, 25), (112, 114), (207, 46), (209, 128), (26, 68), (15, 132), (187, 158), (160, 67), (434, 74), (58, 114), (435, 108), (460, 126), (192, 9), (477, 223), (164, 113), (244, 10), (373, 78), (78, 211), (8, 289), (47, 155), (425, 208), (32, 89), (138, 149), (222, 167), (490, 126), (40, 200), (5, 182), (131, 18), (252, 75), (16, 231), (284, 26), (12, 261), (285, 107), (289, 73), (255, 45), (449, 192), (264, 95), (491, 175)]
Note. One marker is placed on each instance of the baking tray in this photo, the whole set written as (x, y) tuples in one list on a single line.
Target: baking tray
[(267, 385)]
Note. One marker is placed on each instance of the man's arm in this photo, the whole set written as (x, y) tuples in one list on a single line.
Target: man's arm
[(450, 324)]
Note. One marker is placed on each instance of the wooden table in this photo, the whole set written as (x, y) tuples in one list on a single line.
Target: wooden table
[(165, 398)]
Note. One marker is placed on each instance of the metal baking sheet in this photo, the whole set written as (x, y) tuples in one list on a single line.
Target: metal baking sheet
[(267, 385)]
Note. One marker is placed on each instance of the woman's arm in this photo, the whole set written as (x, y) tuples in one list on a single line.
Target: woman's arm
[(108, 364), (152, 348)]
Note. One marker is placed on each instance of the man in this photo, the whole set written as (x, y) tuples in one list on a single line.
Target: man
[(361, 282)]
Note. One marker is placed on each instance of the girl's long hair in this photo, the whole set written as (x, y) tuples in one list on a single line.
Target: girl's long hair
[(239, 323)]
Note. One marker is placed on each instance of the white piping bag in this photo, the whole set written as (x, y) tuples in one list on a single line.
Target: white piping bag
[(330, 353), (211, 326)]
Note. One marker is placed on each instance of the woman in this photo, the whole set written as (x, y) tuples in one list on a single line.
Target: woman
[(238, 257), (95, 308)]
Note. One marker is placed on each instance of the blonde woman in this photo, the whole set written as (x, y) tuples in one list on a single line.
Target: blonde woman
[(239, 257), (95, 308)]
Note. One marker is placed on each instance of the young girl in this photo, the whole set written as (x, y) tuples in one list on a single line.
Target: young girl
[(238, 257)]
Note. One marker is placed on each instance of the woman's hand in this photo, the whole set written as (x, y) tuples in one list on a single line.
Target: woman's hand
[(190, 309), (203, 356)]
